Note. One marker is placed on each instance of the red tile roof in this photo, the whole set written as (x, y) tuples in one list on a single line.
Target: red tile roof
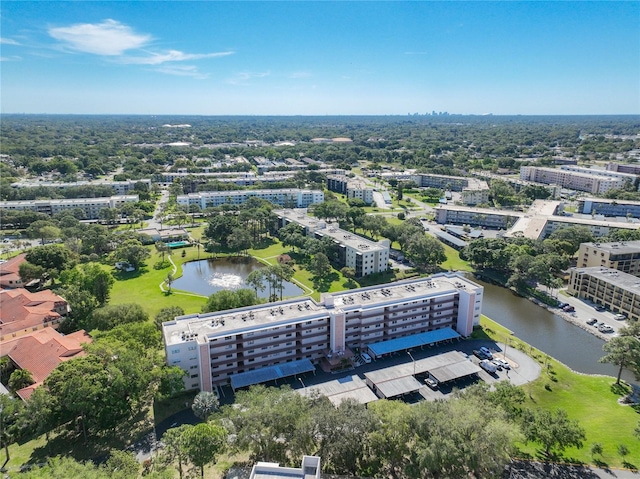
[(21, 309), (41, 351), (9, 272)]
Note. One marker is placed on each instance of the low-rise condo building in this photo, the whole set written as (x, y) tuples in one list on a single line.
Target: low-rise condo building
[(576, 178), (119, 187), (364, 256), (607, 207), (617, 291), (288, 198), (255, 344), (623, 256), (350, 187), (90, 206)]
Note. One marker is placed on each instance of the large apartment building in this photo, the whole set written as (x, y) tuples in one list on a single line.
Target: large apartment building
[(288, 198), (119, 187), (607, 207), (633, 169), (350, 187), (364, 256), (575, 178), (474, 191), (224, 347), (90, 206), (623, 256), (617, 291)]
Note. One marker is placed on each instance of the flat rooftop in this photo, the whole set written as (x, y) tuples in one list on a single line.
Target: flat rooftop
[(349, 387), (316, 225), (620, 247), (201, 327), (617, 278), (611, 201)]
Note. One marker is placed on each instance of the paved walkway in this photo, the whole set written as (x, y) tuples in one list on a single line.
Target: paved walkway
[(540, 470)]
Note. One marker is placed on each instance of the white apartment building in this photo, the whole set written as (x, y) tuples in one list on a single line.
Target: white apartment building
[(581, 179), (365, 256), (119, 187), (607, 207), (90, 206), (250, 345), (288, 198), (350, 187)]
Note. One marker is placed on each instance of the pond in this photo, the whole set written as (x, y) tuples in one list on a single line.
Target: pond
[(208, 276), (546, 331)]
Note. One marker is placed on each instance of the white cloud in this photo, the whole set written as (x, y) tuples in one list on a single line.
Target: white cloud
[(10, 59), (108, 38), (8, 41), (183, 71), (297, 75), (243, 78), (171, 56)]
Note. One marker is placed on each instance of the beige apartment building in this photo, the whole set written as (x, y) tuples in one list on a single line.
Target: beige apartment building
[(617, 291), (90, 206), (256, 344), (581, 180), (623, 256)]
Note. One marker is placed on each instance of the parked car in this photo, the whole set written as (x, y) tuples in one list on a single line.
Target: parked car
[(366, 358), (562, 305), (488, 366), (569, 309), (600, 308), (432, 383), (479, 354), (620, 317), (605, 328), (592, 321), (497, 364), (599, 325), (486, 352), (503, 363)]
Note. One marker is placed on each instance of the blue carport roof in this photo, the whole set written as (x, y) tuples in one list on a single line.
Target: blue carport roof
[(408, 342), (271, 373)]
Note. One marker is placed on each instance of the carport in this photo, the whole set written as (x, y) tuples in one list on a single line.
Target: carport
[(271, 373), (413, 341), (396, 387), (349, 387), (453, 371)]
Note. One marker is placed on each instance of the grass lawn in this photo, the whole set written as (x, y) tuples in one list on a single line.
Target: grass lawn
[(453, 262), (143, 286), (590, 399)]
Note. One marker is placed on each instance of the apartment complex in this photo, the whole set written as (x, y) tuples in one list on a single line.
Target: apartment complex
[(90, 206), (474, 191), (466, 215), (119, 187), (623, 256), (576, 178), (364, 256), (617, 291), (350, 187), (288, 198), (254, 344), (606, 207), (633, 169)]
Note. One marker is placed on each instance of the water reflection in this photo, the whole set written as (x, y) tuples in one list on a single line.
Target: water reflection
[(208, 276)]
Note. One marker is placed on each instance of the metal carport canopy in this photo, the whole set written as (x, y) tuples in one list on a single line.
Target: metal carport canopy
[(457, 370), (413, 341), (271, 373)]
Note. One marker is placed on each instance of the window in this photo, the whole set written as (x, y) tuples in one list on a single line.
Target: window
[(175, 351)]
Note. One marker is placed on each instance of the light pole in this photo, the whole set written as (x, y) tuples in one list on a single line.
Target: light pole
[(303, 385), (414, 362)]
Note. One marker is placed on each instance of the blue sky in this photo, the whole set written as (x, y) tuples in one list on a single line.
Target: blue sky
[(320, 58)]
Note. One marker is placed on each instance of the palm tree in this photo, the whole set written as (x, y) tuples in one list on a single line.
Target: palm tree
[(169, 280)]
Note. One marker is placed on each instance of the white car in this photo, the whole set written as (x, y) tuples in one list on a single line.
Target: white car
[(366, 358), (605, 328), (502, 363)]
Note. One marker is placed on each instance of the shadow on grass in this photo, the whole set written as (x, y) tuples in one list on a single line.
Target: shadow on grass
[(630, 466), (620, 389), (324, 283)]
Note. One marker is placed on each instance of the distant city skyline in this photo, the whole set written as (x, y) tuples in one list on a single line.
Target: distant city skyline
[(320, 58)]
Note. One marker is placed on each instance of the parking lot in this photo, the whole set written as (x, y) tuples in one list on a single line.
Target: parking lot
[(523, 370)]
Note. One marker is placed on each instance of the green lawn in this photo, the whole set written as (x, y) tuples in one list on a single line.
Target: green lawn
[(590, 399), (143, 286), (453, 262)]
